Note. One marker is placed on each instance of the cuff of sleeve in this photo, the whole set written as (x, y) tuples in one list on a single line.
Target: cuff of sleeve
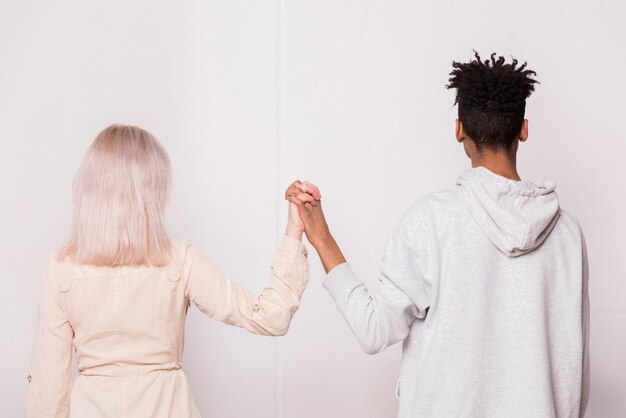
[(292, 246), (340, 280)]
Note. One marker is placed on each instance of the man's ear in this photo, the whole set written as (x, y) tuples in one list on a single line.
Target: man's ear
[(523, 133), (458, 130)]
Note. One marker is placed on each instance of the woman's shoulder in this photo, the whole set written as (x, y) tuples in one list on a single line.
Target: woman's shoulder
[(58, 262), (179, 247), (59, 270), (179, 243), (187, 253), (58, 265), (182, 251)]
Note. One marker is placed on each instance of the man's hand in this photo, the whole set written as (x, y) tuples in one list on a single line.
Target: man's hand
[(313, 220), (305, 192), (315, 226)]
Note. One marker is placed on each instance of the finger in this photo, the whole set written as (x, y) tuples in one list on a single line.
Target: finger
[(295, 199), (307, 189), (315, 189), (305, 197), (313, 206), (293, 188)]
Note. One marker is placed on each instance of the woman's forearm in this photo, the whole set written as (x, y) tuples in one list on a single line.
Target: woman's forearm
[(294, 232)]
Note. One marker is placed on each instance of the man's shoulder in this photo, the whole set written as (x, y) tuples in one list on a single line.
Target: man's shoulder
[(568, 221), (435, 203), (425, 211), (567, 216)]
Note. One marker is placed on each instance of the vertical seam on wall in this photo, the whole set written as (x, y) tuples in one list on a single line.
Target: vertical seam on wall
[(278, 375)]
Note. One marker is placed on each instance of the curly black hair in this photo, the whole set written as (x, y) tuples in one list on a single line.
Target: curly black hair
[(491, 97)]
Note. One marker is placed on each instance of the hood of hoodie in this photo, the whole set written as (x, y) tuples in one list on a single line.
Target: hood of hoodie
[(516, 216)]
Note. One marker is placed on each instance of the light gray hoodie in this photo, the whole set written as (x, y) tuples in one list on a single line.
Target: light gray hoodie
[(486, 285)]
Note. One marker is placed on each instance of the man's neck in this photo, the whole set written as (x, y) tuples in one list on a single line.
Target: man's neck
[(501, 163)]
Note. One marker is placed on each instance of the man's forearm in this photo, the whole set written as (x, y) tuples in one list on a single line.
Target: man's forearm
[(329, 252)]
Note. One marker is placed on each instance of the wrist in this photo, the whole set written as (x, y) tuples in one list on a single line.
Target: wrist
[(329, 252), (323, 241), (294, 232)]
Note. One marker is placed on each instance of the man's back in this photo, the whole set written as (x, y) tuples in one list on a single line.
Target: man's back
[(503, 335), (486, 285)]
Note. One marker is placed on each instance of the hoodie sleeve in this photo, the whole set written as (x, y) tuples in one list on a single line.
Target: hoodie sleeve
[(266, 313), (585, 326), (382, 316)]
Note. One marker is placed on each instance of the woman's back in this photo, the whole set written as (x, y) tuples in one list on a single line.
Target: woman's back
[(126, 325), (124, 318), (118, 292)]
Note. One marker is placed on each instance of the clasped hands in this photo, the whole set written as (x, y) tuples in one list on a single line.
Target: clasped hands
[(306, 215)]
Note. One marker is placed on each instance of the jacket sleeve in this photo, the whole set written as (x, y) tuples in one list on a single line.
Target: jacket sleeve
[(49, 381), (266, 313), (382, 316)]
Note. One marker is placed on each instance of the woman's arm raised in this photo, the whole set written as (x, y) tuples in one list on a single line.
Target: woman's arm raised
[(270, 311)]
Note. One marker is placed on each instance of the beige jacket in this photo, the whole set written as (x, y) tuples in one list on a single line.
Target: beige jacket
[(126, 325)]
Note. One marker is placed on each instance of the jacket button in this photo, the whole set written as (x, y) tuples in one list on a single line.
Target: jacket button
[(256, 308), (29, 378)]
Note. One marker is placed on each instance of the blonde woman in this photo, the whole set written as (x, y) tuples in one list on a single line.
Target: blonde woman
[(119, 290)]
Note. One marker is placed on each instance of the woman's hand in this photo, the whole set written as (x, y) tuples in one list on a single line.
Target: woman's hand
[(305, 192), (311, 217)]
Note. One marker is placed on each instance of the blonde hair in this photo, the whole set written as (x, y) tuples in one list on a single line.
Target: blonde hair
[(120, 193)]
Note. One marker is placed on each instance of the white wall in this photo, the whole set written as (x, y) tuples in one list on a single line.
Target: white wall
[(249, 95)]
